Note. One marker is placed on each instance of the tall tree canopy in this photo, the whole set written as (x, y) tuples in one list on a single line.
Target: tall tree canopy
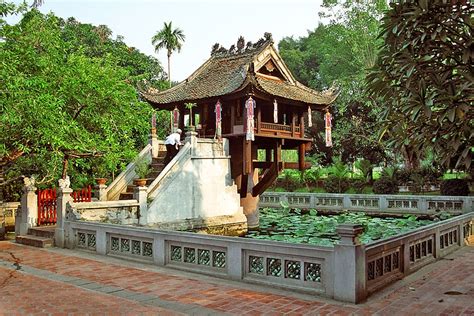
[(169, 39), (342, 50), (424, 78), (66, 92)]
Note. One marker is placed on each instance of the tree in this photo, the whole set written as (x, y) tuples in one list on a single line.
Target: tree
[(169, 39), (424, 78), (61, 108), (341, 51)]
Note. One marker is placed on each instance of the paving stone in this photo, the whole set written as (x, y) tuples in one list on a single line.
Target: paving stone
[(65, 282)]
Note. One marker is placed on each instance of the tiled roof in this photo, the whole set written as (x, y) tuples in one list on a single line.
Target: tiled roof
[(228, 72), (218, 76), (296, 92)]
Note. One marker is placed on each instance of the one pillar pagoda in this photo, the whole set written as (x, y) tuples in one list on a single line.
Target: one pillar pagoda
[(248, 95)]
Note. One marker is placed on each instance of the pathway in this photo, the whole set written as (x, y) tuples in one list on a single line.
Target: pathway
[(54, 281)]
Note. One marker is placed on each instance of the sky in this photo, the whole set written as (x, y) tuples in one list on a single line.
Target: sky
[(203, 23)]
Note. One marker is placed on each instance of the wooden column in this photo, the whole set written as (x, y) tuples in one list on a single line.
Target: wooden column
[(181, 117), (302, 126), (232, 118), (247, 156), (293, 124), (259, 117), (277, 155), (301, 151), (268, 154)]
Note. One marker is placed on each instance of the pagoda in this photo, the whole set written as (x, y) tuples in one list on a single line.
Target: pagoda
[(248, 95)]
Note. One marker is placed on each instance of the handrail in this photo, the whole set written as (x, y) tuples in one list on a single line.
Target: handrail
[(379, 203), (104, 204), (154, 185), (114, 189)]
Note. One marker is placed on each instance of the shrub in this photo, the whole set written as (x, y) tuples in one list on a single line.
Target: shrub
[(385, 185), (404, 176), (367, 190), (358, 185), (455, 187), (290, 180), (318, 190), (335, 184)]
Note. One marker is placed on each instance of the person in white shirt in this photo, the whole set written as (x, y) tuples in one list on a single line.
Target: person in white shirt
[(172, 142)]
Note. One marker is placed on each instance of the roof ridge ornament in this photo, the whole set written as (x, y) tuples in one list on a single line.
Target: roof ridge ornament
[(241, 48)]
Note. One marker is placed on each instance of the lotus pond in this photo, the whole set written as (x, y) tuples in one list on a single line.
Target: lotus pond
[(310, 227)]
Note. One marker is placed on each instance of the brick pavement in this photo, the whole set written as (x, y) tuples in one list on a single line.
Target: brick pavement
[(63, 282)]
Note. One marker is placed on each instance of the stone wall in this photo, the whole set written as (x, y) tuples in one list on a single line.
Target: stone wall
[(198, 187)]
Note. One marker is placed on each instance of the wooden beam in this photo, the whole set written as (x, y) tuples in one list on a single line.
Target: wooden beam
[(262, 164), (267, 180)]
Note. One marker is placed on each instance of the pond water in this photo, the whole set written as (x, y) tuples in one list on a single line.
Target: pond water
[(309, 227)]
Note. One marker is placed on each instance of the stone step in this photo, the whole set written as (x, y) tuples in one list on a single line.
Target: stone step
[(154, 174), (126, 196), (158, 166), (35, 241), (158, 159), (47, 231)]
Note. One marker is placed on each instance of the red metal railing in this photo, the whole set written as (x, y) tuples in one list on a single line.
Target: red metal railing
[(47, 213), (83, 195)]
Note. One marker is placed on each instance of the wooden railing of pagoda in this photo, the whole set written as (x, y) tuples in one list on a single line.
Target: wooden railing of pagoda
[(47, 205), (265, 128)]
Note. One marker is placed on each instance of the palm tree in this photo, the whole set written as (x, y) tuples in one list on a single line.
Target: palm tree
[(169, 39)]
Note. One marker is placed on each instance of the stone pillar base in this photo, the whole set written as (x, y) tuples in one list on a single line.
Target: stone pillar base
[(250, 206)]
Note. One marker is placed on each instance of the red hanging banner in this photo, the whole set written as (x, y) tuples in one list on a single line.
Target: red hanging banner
[(218, 111), (250, 126), (328, 125), (175, 116)]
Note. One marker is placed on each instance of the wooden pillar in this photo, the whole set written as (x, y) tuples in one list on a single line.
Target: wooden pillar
[(301, 151), (302, 126), (259, 117), (247, 155), (181, 117), (268, 154), (232, 118), (293, 124), (277, 155)]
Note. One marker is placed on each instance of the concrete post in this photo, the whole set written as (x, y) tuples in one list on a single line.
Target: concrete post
[(141, 196), (153, 140), (101, 241), (101, 192), (28, 215), (236, 261), (349, 265), (191, 137), (423, 204), (383, 203), (63, 197), (346, 202)]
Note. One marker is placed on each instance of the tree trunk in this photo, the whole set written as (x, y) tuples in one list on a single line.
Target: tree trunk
[(169, 71), (65, 163), (412, 161)]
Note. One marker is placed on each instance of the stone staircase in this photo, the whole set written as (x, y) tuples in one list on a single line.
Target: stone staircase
[(41, 237), (157, 165)]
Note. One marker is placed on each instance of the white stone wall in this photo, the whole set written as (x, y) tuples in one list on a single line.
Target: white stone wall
[(200, 187)]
